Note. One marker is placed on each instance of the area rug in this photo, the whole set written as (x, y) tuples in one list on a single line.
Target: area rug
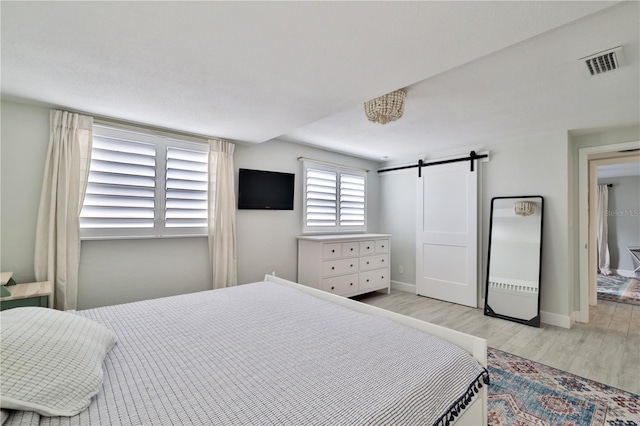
[(615, 288), (526, 393)]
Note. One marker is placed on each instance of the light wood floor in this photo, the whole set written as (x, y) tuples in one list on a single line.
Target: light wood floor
[(606, 350)]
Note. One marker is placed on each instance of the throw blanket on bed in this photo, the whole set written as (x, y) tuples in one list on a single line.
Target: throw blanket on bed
[(265, 354)]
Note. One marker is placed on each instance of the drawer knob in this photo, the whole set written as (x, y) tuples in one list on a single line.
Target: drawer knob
[(351, 266), (382, 277), (368, 247), (367, 263), (383, 246), (367, 279), (332, 288), (333, 251), (382, 260), (350, 283), (351, 248), (333, 267)]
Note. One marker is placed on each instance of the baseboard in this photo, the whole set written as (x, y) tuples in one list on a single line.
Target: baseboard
[(563, 321), (626, 273), (579, 317), (398, 285)]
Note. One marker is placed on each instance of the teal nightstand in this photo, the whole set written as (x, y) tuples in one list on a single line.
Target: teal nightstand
[(27, 294)]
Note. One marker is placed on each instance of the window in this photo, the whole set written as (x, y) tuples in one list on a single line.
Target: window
[(144, 185), (334, 199)]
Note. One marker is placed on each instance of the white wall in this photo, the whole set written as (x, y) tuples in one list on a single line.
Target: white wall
[(111, 272), (537, 165), (530, 165), (267, 239), (119, 271), (23, 150), (398, 218)]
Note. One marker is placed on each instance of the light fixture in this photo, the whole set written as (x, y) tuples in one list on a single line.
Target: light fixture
[(386, 108), (524, 208)]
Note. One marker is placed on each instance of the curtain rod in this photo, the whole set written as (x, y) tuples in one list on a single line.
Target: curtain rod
[(332, 164), (159, 131)]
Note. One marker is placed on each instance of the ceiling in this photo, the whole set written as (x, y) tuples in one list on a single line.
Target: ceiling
[(475, 72), (619, 170)]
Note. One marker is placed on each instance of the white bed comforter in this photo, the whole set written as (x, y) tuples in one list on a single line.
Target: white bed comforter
[(265, 354)]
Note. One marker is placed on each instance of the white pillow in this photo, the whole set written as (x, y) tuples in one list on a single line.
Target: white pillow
[(51, 361)]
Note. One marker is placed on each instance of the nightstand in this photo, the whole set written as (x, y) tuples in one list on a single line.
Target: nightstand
[(27, 294)]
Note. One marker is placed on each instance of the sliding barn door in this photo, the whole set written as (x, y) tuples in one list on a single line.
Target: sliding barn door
[(447, 233)]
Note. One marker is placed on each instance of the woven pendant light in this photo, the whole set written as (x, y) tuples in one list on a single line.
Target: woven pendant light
[(386, 108)]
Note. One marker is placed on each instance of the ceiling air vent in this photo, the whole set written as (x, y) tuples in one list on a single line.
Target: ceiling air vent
[(602, 62)]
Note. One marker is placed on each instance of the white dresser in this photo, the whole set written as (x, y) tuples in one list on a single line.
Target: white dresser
[(347, 265)]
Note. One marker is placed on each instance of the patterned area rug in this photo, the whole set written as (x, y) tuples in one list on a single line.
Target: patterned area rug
[(619, 289), (525, 393)]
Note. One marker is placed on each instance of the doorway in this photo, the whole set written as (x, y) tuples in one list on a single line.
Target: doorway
[(589, 161), (618, 219)]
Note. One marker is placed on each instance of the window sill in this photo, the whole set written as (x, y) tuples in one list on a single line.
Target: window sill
[(140, 237)]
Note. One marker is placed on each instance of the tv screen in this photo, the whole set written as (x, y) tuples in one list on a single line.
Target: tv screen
[(261, 189)]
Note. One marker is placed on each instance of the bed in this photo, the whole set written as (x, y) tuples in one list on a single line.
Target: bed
[(269, 353)]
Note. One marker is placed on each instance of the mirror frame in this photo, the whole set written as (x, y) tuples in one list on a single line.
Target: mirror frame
[(534, 322)]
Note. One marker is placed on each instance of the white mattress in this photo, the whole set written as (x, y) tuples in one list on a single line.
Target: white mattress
[(265, 354)]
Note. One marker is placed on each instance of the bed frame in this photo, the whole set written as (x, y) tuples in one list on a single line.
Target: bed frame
[(476, 413)]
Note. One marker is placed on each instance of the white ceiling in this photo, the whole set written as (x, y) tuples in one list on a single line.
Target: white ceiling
[(618, 170), (475, 72)]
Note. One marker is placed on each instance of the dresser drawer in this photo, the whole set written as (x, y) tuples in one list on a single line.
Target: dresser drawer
[(367, 247), (382, 246), (350, 249), (336, 263), (332, 251), (339, 267), (344, 284), (374, 279), (374, 262)]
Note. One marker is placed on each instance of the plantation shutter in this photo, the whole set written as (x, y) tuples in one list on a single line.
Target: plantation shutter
[(186, 188), (352, 200), (121, 186), (321, 198), (334, 199), (144, 185)]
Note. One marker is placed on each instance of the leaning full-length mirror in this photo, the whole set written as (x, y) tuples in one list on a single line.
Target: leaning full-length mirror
[(515, 249)]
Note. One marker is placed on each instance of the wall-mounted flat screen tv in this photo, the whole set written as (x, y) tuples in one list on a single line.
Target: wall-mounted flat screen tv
[(261, 189)]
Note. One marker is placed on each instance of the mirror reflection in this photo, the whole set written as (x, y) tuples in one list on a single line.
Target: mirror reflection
[(515, 242)]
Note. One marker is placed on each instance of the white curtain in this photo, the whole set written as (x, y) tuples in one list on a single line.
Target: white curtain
[(603, 246), (222, 214), (57, 253)]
